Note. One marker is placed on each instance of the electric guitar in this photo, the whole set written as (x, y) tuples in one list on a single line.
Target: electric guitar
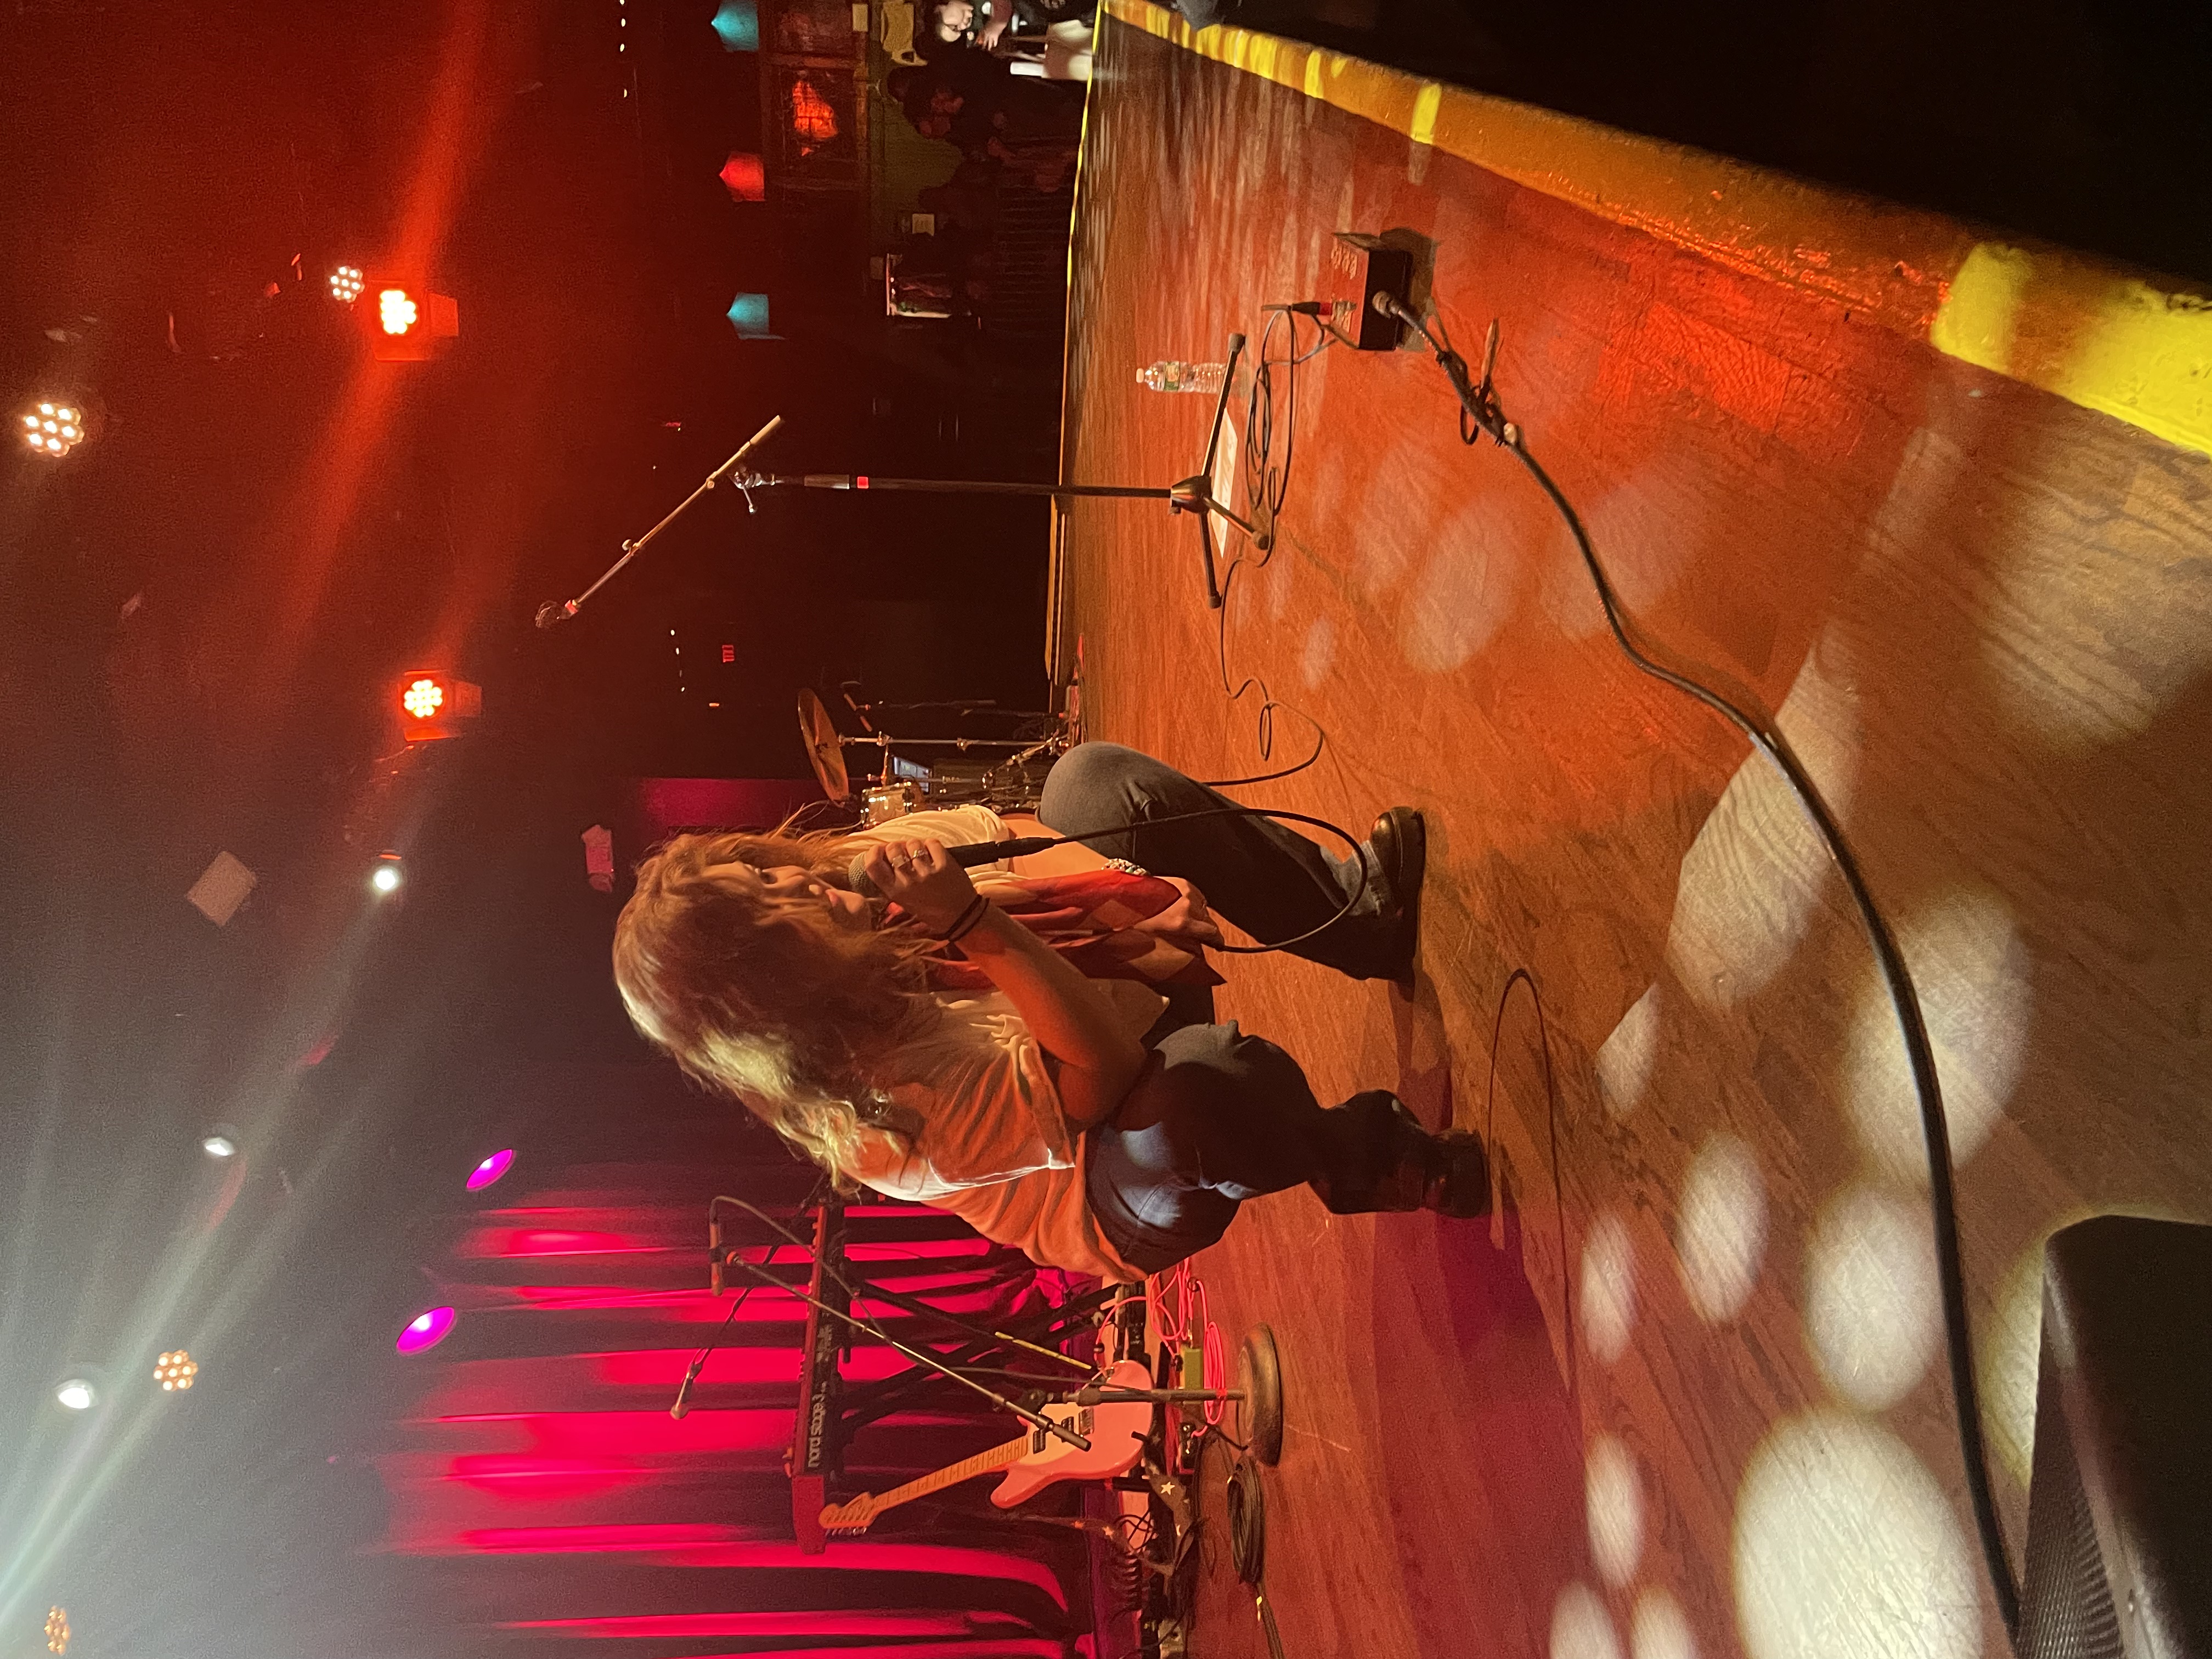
[(1116, 1433)]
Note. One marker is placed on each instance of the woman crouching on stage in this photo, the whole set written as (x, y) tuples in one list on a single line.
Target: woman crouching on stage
[(995, 1046)]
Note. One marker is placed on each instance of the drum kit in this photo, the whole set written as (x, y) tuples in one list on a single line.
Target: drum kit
[(915, 775)]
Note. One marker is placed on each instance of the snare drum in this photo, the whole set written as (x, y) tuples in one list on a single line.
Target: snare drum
[(883, 802)]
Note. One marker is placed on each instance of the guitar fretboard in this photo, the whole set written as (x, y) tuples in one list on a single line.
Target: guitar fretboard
[(997, 1458)]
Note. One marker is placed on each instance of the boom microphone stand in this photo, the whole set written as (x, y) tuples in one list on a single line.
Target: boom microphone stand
[(555, 611), (1034, 1419), (1193, 495)]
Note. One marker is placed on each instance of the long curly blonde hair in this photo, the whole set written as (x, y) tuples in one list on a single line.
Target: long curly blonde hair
[(801, 1021)]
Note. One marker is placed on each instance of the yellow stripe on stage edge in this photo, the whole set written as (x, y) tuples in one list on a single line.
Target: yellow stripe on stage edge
[(2135, 347), (2099, 338)]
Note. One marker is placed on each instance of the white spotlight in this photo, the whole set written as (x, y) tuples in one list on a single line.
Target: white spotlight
[(218, 1144), (385, 877), (77, 1395)]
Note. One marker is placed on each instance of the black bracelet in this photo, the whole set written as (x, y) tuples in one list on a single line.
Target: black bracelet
[(969, 918)]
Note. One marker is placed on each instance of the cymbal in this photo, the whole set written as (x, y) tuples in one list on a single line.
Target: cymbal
[(823, 747)]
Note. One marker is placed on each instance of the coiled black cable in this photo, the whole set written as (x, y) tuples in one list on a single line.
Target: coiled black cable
[(1266, 483)]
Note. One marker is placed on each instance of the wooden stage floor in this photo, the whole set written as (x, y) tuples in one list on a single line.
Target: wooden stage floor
[(1684, 1393)]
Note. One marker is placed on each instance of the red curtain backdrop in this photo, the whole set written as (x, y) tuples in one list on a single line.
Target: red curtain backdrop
[(548, 1498)]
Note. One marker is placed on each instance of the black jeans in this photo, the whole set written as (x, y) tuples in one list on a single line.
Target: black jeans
[(1265, 877), (1234, 1119), (1230, 1117)]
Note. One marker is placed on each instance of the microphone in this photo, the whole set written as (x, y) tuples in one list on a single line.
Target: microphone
[(554, 611), (682, 1408), (714, 1255), (967, 855)]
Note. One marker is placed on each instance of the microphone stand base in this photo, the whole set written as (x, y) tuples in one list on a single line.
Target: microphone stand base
[(1260, 1396)]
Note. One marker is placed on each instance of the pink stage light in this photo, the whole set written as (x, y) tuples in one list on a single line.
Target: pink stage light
[(491, 1169), (425, 1330)]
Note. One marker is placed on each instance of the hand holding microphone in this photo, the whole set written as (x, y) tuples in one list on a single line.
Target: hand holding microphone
[(922, 879), (966, 854)]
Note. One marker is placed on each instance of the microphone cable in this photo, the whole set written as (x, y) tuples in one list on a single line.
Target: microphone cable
[(1481, 415), (682, 1408), (1266, 485)]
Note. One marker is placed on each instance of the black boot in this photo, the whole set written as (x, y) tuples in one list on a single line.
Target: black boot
[(1395, 1164), (1398, 844), (1397, 856)]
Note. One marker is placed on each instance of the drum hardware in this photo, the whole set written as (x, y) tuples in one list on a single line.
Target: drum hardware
[(881, 803), (1012, 781), (865, 711)]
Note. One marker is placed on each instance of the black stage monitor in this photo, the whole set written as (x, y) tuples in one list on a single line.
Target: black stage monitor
[(2119, 1509)]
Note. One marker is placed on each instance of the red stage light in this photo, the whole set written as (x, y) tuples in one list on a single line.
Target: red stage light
[(409, 323), (395, 312), (744, 177), (432, 705)]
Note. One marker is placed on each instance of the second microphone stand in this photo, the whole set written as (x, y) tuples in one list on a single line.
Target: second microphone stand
[(729, 1258), (1193, 495)]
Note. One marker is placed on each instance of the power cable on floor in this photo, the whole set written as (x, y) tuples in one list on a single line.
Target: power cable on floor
[(1523, 976), (1481, 415), (1247, 1508)]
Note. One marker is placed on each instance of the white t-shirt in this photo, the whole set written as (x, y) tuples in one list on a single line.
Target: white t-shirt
[(995, 1148)]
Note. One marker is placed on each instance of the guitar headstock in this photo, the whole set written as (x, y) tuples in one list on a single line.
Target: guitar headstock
[(855, 1516)]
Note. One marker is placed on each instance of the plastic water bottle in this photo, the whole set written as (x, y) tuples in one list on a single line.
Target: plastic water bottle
[(1173, 375)]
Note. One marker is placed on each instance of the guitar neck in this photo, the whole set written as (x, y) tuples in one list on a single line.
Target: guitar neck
[(982, 1463)]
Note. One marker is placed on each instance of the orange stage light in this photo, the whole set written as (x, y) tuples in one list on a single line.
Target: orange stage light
[(53, 428), (175, 1371), (813, 117)]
